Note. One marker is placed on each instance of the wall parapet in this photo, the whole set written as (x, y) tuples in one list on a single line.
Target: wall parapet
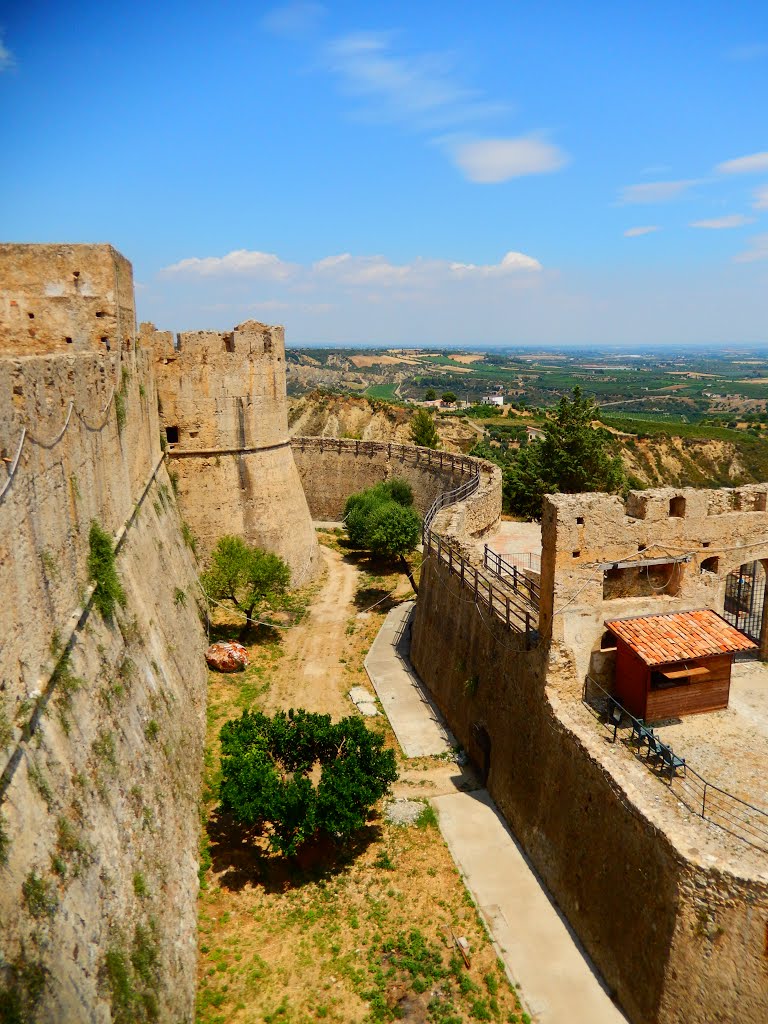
[(464, 464)]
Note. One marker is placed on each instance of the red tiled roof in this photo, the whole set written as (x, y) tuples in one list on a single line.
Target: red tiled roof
[(663, 639)]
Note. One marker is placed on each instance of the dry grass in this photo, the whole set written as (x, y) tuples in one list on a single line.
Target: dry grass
[(345, 935)]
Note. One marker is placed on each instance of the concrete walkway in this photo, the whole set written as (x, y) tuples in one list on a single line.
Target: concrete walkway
[(557, 981), (416, 722), (541, 953)]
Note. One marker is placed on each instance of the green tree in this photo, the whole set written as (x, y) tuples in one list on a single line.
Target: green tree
[(572, 457), (448, 397), (247, 576), (430, 395), (382, 520), (423, 430), (267, 764)]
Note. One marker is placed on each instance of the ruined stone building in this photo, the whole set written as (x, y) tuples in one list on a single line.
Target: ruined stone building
[(102, 715)]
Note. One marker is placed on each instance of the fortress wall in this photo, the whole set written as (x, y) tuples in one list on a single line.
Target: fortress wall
[(679, 935), (65, 298), (223, 405), (100, 760), (332, 469), (581, 532)]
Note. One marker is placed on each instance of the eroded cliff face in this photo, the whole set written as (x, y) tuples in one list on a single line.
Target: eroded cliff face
[(346, 416), (101, 719)]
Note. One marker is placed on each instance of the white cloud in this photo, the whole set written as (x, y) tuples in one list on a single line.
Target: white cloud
[(7, 60), (760, 198), (758, 250), (732, 220), (490, 161), (418, 89), (512, 263), (646, 230), (293, 20), (655, 192), (344, 270), (755, 163), (240, 262)]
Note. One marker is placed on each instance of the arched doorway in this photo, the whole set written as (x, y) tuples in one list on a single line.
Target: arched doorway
[(746, 604)]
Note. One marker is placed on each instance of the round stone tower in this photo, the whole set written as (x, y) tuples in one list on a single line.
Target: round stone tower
[(223, 406)]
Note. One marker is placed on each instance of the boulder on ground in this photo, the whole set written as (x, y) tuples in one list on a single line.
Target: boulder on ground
[(227, 656)]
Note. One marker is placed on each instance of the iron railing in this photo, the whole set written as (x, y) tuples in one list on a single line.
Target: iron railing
[(405, 452), (500, 603), (514, 575), (712, 803)]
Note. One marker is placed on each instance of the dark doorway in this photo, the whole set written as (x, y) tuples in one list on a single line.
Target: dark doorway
[(483, 742)]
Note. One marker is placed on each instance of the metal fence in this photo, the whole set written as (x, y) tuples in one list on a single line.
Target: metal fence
[(508, 609), (710, 802), (514, 575), (744, 599), (405, 452)]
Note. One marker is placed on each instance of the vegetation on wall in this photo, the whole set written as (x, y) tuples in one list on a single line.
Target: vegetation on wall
[(267, 767), (102, 571)]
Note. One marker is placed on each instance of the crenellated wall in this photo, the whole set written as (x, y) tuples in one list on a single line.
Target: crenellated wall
[(101, 722), (223, 407)]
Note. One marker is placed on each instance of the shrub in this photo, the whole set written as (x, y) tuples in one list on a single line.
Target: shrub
[(266, 766), (102, 571)]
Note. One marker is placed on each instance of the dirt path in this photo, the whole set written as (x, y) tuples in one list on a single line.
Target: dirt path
[(313, 651)]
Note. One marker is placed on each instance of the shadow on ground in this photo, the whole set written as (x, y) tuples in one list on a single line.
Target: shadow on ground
[(241, 857)]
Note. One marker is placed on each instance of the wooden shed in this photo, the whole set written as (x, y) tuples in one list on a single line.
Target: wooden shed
[(676, 664)]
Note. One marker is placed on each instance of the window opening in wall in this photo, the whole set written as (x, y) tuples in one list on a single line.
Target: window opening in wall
[(579, 520), (68, 341), (172, 435), (711, 564), (229, 343), (660, 580), (100, 315), (706, 543), (575, 554), (608, 641), (31, 316), (760, 502), (677, 507)]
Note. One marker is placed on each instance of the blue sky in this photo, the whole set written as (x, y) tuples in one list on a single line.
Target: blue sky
[(429, 173)]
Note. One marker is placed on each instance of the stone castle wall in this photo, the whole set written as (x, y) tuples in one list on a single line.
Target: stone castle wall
[(715, 531), (65, 298), (223, 407), (676, 927), (331, 469), (101, 723)]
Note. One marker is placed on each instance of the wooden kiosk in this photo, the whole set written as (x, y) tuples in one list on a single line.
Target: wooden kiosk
[(676, 664)]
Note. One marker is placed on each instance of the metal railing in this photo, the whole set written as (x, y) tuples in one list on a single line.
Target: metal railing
[(710, 802), (405, 452), (447, 498), (514, 575), (500, 603), (503, 605)]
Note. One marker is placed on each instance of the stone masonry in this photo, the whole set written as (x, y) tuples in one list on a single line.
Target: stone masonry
[(224, 411)]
